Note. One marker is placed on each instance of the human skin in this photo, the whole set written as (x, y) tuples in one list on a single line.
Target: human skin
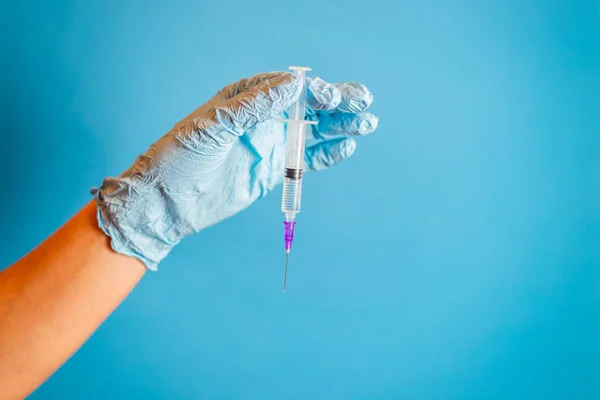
[(53, 299)]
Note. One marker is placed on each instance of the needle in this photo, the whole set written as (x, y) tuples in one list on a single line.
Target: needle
[(287, 258)]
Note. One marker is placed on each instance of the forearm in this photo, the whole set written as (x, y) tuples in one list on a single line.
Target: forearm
[(54, 298)]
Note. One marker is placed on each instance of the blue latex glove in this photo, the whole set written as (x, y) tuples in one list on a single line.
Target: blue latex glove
[(223, 157)]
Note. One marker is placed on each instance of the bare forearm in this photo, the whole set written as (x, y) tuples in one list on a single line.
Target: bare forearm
[(54, 298)]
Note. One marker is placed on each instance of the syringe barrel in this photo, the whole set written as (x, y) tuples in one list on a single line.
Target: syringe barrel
[(294, 157), (292, 196)]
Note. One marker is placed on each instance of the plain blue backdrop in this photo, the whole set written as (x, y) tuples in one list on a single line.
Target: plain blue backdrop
[(455, 256)]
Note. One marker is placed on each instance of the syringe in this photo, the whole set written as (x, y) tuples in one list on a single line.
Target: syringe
[(294, 164)]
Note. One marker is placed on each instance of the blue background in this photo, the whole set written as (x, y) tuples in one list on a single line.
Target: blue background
[(455, 256)]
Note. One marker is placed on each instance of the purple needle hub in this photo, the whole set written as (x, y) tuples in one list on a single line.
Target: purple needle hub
[(288, 235)]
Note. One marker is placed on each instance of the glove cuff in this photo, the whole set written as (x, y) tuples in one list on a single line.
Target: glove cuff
[(124, 215)]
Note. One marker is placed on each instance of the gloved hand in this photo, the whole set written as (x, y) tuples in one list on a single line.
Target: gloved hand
[(223, 157)]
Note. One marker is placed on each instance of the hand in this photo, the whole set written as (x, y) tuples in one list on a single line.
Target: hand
[(223, 157)]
